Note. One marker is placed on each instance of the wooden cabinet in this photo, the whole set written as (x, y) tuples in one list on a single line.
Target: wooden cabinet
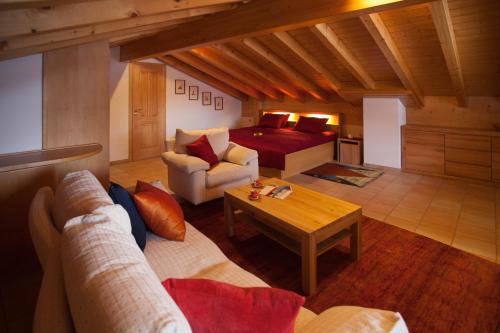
[(423, 152), (453, 152), (350, 151)]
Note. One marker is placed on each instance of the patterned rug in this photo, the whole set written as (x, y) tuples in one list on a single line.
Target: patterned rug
[(435, 287), (345, 174)]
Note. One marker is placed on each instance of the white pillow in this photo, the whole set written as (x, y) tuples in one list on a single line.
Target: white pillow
[(79, 193), (110, 285), (217, 137)]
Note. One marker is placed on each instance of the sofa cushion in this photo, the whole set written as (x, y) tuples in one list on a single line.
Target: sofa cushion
[(122, 197), (44, 235), (160, 211), (213, 306), (192, 256), (79, 193), (356, 319), (226, 172), (201, 148), (184, 163), (110, 286), (218, 138), (239, 155)]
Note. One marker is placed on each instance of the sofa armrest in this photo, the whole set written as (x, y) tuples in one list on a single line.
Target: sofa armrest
[(185, 163), (355, 319), (239, 155)]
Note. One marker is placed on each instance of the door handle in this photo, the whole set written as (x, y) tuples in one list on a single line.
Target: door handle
[(137, 112)]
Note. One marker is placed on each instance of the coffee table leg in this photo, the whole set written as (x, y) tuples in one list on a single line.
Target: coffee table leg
[(309, 270), (229, 217), (356, 240)]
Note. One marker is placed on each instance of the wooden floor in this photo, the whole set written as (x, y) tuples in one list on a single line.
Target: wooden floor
[(463, 214)]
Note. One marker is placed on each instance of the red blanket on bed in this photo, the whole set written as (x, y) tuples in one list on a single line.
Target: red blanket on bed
[(274, 144)]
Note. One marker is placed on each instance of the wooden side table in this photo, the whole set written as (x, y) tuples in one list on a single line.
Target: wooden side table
[(350, 151)]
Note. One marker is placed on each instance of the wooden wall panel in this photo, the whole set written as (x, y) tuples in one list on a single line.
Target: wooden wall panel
[(481, 112), (76, 111), (76, 104)]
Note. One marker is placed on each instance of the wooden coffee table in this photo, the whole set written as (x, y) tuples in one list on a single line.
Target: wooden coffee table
[(307, 222)]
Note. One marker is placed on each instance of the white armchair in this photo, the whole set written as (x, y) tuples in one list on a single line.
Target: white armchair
[(191, 177)]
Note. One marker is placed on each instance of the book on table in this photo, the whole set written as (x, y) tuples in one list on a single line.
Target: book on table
[(278, 192)]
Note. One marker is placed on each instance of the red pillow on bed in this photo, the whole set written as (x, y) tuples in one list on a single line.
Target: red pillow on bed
[(311, 124), (201, 148), (273, 120), (212, 306)]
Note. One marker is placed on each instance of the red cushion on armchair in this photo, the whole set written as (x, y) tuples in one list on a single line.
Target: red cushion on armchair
[(212, 306), (201, 148)]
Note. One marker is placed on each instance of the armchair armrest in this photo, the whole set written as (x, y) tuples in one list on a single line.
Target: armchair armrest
[(183, 162), (239, 155), (355, 319)]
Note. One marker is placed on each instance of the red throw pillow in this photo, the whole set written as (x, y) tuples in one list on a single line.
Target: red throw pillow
[(160, 212), (212, 306), (273, 120), (201, 148), (311, 124)]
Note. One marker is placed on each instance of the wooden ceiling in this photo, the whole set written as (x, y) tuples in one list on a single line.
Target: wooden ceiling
[(305, 50)]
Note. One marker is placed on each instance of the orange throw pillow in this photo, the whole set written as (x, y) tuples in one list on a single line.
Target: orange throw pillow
[(159, 210)]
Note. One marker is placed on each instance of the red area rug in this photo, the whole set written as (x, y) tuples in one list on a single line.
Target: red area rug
[(435, 287)]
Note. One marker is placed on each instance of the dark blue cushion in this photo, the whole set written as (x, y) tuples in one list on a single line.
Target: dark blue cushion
[(121, 196)]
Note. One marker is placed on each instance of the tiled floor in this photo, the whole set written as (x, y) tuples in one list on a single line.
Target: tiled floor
[(461, 213)]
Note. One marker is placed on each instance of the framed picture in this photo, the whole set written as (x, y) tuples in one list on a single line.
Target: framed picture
[(219, 103), (193, 93), (180, 87), (206, 98)]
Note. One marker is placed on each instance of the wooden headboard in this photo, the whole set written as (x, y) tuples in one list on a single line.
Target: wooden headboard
[(333, 124)]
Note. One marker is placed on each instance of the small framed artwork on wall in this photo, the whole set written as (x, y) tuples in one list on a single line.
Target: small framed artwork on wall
[(193, 93), (206, 98), (180, 87), (219, 103)]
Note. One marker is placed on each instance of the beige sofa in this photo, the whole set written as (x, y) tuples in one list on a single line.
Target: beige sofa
[(192, 178), (96, 279)]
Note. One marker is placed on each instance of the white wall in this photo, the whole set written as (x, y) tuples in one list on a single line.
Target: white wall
[(382, 120), (21, 104), (180, 113)]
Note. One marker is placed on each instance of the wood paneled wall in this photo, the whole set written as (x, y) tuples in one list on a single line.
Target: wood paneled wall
[(351, 116), (481, 112), (76, 103), (76, 111)]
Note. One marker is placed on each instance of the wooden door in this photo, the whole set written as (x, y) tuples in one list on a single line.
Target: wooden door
[(147, 111)]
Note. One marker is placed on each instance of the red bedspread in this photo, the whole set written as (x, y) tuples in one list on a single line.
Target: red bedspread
[(274, 144)]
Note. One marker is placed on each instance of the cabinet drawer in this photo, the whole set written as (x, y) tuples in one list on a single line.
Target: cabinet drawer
[(424, 158), (468, 156), (424, 138), (468, 170), (472, 142), (495, 170), (495, 144)]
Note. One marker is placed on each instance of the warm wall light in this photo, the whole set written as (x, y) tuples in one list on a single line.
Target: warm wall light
[(333, 119)]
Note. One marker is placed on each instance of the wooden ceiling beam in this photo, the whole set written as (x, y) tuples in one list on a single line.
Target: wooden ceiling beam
[(192, 60), (444, 27), (27, 4), (308, 58), (50, 18), (252, 19), (288, 70), (250, 65), (203, 77), (382, 37), (212, 57), (334, 44), (45, 41)]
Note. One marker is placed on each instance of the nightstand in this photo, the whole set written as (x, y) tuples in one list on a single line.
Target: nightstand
[(350, 150)]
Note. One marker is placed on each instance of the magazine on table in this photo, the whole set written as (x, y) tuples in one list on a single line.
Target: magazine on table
[(275, 191)]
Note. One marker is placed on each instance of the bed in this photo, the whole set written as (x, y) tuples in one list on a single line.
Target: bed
[(285, 152)]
